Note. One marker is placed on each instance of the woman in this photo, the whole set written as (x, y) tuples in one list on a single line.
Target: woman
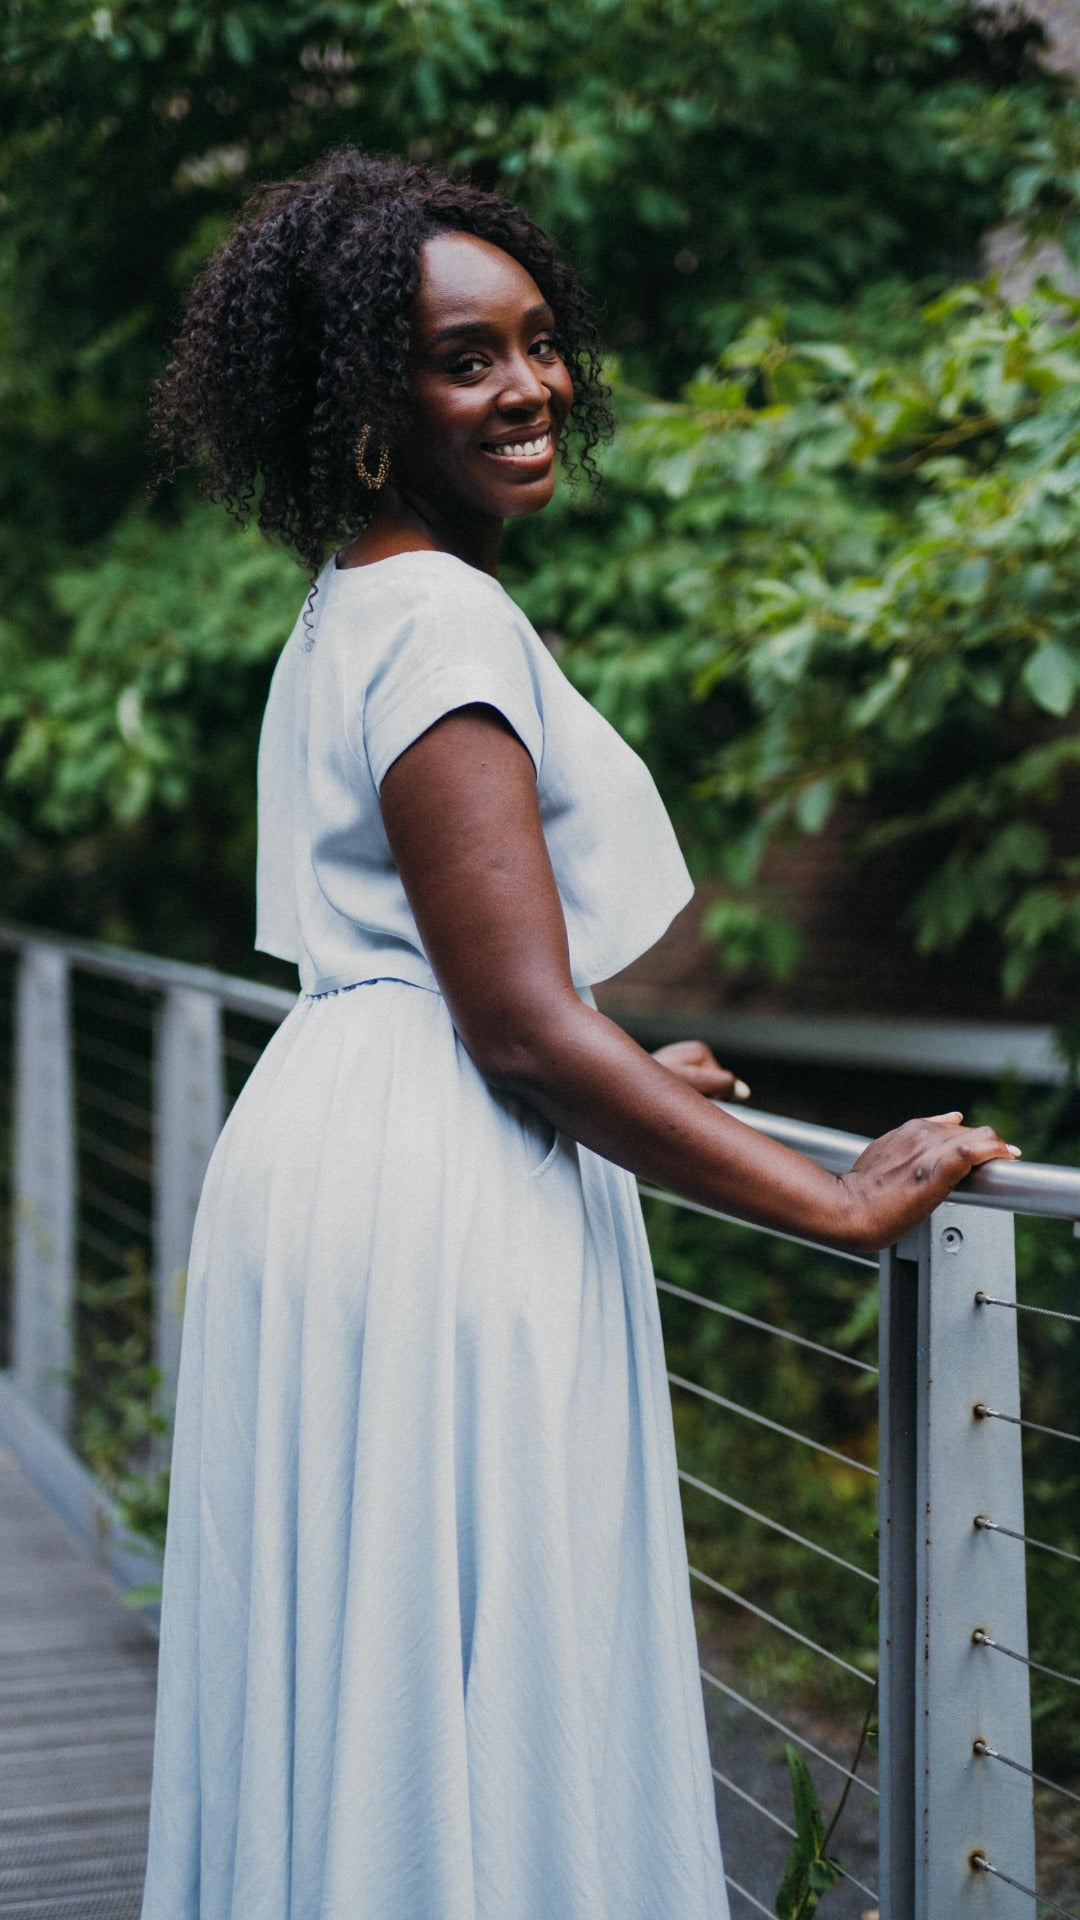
[(427, 1646)]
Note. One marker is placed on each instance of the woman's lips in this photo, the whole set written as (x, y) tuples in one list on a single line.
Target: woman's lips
[(530, 452)]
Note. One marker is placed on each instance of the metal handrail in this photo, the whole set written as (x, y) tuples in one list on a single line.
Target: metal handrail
[(236, 995), (1011, 1186)]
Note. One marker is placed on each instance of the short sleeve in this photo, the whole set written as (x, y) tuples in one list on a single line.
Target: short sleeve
[(458, 641)]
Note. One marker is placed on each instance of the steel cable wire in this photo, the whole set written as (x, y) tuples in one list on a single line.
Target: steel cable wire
[(103, 1150), (114, 1210), (781, 1727), (116, 1108), (241, 1052), (980, 1638), (985, 1525), (112, 1056), (751, 1899), (980, 1864), (1021, 1306), (762, 1420), (765, 1326), (100, 1244), (983, 1412), (733, 1220), (758, 1806), (128, 1011), (783, 1825), (740, 1600), (752, 1513), (991, 1753), (1048, 1825)]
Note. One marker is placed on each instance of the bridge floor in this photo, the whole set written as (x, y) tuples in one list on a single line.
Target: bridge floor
[(77, 1690), (77, 1680)]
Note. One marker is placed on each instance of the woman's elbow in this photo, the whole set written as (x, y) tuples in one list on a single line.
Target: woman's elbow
[(517, 1048)]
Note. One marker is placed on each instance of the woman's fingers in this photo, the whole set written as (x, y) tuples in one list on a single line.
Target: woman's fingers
[(900, 1178), (983, 1143), (973, 1145), (696, 1063)]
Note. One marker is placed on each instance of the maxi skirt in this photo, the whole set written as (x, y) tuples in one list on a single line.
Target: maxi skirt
[(427, 1647)]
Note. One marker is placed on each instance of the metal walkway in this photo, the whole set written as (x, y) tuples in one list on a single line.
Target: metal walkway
[(77, 1682)]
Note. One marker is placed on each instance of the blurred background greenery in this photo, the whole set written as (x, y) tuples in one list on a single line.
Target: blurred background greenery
[(836, 550)]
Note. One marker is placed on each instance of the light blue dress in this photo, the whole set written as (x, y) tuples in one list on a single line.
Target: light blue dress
[(427, 1647)]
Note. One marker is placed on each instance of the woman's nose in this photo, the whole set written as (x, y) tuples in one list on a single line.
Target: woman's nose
[(523, 386)]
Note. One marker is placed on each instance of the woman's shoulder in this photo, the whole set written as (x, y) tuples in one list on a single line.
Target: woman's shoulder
[(424, 596), (417, 634), (416, 575)]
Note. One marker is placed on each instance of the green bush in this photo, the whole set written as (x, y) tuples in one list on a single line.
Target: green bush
[(703, 160), (823, 574)]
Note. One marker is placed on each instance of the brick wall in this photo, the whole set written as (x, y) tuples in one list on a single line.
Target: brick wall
[(858, 956)]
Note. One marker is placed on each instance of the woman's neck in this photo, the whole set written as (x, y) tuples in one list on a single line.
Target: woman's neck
[(403, 524)]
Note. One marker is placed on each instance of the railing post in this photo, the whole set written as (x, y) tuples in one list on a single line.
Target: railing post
[(44, 1170), (189, 1107), (898, 1355), (942, 1578)]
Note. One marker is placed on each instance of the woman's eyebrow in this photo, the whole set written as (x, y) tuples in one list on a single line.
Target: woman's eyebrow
[(461, 328)]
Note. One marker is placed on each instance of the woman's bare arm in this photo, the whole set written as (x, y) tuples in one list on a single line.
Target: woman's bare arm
[(462, 818)]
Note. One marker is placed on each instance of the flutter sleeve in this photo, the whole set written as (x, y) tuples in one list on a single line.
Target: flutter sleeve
[(459, 641)]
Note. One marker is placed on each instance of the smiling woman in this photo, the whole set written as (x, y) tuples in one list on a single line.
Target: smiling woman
[(427, 1646), (302, 332), (491, 395)]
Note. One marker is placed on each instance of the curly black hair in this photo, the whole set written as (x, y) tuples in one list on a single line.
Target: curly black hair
[(297, 333)]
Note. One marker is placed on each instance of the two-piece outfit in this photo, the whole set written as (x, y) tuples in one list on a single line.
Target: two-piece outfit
[(427, 1646)]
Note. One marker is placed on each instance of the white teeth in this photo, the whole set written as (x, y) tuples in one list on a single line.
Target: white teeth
[(521, 449)]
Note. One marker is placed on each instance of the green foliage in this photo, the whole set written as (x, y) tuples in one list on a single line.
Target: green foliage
[(703, 160), (119, 1424), (810, 1871), (127, 797), (169, 630), (825, 575), (818, 575), (693, 152)]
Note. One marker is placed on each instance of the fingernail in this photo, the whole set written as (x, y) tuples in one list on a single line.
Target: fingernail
[(1016, 1152), (741, 1090)]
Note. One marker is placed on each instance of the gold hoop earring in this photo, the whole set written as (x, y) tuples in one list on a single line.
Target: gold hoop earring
[(372, 481)]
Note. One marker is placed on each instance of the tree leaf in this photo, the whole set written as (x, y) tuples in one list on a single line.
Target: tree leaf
[(1050, 677)]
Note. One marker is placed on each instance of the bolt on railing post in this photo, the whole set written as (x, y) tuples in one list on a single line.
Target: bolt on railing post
[(942, 1578), (189, 1107), (43, 1253)]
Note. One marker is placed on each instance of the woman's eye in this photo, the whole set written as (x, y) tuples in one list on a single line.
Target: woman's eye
[(467, 363), (546, 346)]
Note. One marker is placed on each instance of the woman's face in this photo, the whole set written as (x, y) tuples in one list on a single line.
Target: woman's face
[(490, 394)]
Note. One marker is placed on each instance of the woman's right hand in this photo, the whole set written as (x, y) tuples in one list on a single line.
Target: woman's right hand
[(900, 1178)]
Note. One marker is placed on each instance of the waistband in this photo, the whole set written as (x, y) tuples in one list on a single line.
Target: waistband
[(373, 980), (584, 993)]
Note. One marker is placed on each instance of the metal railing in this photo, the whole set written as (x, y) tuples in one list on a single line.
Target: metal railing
[(116, 1071)]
